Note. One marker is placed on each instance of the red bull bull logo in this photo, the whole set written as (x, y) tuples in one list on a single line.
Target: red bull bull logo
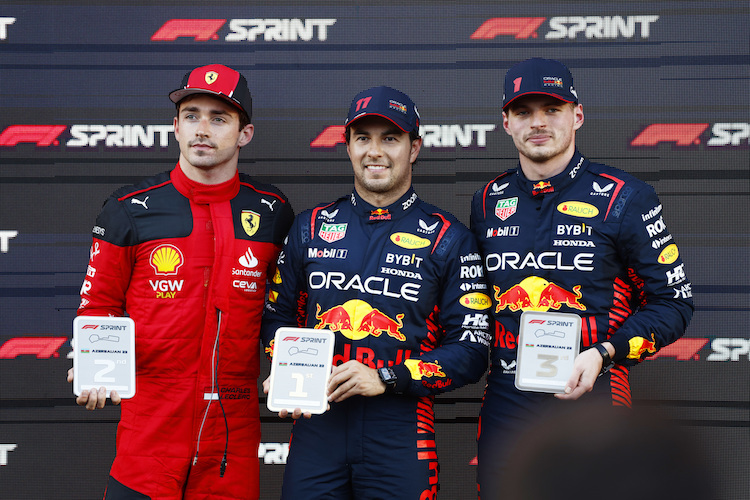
[(542, 187), (640, 346), (537, 294), (356, 319), (420, 369)]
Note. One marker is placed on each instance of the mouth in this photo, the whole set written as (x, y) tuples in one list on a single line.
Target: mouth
[(201, 146), (539, 138)]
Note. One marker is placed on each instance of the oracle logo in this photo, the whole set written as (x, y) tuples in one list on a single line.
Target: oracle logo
[(689, 134)]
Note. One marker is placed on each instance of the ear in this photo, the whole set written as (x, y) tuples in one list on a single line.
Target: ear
[(176, 126), (505, 123), (578, 113), (416, 147), (246, 135)]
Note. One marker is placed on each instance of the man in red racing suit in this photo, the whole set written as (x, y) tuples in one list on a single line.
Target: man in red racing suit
[(188, 261)]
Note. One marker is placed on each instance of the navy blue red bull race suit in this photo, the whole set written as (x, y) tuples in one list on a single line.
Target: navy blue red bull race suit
[(590, 241), (401, 286), (189, 263)]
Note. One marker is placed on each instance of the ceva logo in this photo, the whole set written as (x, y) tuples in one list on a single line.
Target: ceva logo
[(242, 30), (690, 134), (566, 27)]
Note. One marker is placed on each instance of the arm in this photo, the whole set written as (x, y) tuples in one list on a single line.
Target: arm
[(106, 282), (286, 300), (658, 273), (458, 331)]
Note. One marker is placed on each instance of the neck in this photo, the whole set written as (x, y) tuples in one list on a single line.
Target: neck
[(380, 200), (214, 175), (536, 170)]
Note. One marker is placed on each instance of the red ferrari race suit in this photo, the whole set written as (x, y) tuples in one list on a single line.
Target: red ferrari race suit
[(188, 263), (402, 287), (590, 241)]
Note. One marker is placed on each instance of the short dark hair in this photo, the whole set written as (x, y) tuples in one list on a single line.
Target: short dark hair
[(244, 119), (413, 135)]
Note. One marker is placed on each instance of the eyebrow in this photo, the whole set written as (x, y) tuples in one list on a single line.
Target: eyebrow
[(213, 111), (390, 131)]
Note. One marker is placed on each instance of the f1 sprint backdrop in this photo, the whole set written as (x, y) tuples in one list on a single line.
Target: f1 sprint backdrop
[(83, 94)]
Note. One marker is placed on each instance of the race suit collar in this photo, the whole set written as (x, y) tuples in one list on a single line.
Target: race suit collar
[(205, 193), (394, 211), (546, 186)]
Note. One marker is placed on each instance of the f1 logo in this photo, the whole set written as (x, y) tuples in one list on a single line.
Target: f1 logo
[(520, 27)]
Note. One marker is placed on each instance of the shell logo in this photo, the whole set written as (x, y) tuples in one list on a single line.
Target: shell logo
[(166, 260)]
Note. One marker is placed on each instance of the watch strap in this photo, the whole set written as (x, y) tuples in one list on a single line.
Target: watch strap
[(607, 362), (388, 377)]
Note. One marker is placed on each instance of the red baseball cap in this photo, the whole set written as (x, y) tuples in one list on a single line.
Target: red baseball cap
[(217, 80)]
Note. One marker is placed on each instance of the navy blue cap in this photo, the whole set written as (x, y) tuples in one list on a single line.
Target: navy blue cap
[(539, 76), (388, 103)]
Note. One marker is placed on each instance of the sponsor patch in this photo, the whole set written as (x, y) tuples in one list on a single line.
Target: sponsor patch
[(506, 207), (332, 232)]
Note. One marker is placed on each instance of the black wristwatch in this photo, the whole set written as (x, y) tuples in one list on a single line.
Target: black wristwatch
[(388, 376), (607, 362)]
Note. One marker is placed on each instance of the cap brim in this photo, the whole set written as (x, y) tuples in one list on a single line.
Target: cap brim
[(551, 94), (179, 94), (358, 117)]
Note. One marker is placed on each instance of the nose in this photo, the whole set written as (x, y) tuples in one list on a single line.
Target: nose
[(538, 119), (375, 150), (203, 129)]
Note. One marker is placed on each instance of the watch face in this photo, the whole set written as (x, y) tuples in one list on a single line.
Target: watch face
[(387, 376)]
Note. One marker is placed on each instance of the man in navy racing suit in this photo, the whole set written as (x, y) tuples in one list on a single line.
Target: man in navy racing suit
[(560, 233), (400, 282)]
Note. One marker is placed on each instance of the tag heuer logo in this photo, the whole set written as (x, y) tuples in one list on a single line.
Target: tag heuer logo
[(507, 207), (332, 232)]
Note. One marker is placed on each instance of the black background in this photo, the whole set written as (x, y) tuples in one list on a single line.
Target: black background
[(89, 63)]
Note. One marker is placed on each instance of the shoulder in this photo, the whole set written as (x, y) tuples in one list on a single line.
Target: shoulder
[(621, 188), (429, 210), (620, 177), (497, 184), (250, 184), (146, 185)]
